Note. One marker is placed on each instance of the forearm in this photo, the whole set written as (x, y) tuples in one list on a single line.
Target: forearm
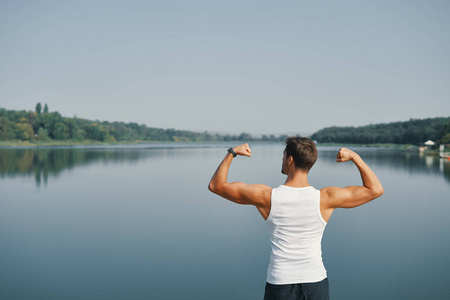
[(220, 176), (369, 179)]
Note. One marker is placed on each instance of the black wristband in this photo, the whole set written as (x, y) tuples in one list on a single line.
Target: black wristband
[(230, 150)]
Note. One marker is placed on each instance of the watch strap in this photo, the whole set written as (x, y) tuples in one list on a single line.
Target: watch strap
[(230, 150)]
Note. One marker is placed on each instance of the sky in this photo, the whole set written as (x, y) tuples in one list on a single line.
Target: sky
[(262, 67)]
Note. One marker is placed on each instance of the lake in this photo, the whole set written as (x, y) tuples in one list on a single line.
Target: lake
[(138, 222)]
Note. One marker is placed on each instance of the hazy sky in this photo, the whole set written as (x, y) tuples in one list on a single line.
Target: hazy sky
[(228, 66)]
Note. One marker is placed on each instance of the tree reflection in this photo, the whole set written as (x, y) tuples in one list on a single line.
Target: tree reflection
[(41, 163)]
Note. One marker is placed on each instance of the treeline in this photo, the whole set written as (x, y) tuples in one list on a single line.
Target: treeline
[(42, 125), (414, 132)]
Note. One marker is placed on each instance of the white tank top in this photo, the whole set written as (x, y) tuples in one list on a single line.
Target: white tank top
[(296, 227)]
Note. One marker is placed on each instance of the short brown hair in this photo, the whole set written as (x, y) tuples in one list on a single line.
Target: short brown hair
[(303, 150)]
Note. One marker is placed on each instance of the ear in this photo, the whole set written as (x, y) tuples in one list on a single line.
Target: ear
[(290, 160)]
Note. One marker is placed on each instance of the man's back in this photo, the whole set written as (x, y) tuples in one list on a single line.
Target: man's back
[(295, 227)]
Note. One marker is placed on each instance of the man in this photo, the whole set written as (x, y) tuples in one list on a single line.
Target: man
[(296, 215)]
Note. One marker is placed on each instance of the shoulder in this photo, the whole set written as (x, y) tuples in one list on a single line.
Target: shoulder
[(329, 194), (260, 195), (325, 192), (242, 193), (330, 191), (262, 191)]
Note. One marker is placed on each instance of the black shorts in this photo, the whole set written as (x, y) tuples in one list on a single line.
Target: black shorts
[(300, 291)]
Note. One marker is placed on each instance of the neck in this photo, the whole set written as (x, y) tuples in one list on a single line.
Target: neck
[(297, 178)]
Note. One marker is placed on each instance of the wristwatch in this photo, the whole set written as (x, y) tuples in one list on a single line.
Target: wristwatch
[(230, 150)]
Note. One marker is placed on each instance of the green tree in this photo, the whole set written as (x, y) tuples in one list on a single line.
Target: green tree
[(38, 108), (245, 137), (24, 131), (72, 128), (110, 138), (445, 139), (42, 134), (95, 132), (45, 108), (81, 135), (410, 132), (49, 121), (7, 131), (60, 132)]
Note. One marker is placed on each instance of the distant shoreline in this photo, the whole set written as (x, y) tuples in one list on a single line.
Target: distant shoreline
[(18, 144), (38, 144), (89, 143)]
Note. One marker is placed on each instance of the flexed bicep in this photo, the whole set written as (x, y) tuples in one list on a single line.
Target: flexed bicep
[(348, 197)]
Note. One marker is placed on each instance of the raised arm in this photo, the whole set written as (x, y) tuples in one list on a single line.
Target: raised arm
[(255, 194), (351, 196)]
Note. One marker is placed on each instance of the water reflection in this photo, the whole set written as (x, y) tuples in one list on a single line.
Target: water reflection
[(116, 216), (398, 160), (44, 162), (41, 163)]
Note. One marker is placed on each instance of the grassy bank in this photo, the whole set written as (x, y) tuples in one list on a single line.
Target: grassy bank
[(397, 146), (407, 147), (68, 143)]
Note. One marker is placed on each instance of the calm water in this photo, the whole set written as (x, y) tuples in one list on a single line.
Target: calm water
[(138, 222)]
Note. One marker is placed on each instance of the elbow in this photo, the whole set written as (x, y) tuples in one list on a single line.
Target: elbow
[(213, 187), (378, 192), (216, 188)]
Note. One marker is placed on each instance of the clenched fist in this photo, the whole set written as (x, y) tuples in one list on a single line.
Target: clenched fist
[(345, 154), (243, 150)]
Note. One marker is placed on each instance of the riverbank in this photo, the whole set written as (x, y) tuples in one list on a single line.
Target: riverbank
[(32, 144), (28, 144), (38, 144), (397, 146)]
